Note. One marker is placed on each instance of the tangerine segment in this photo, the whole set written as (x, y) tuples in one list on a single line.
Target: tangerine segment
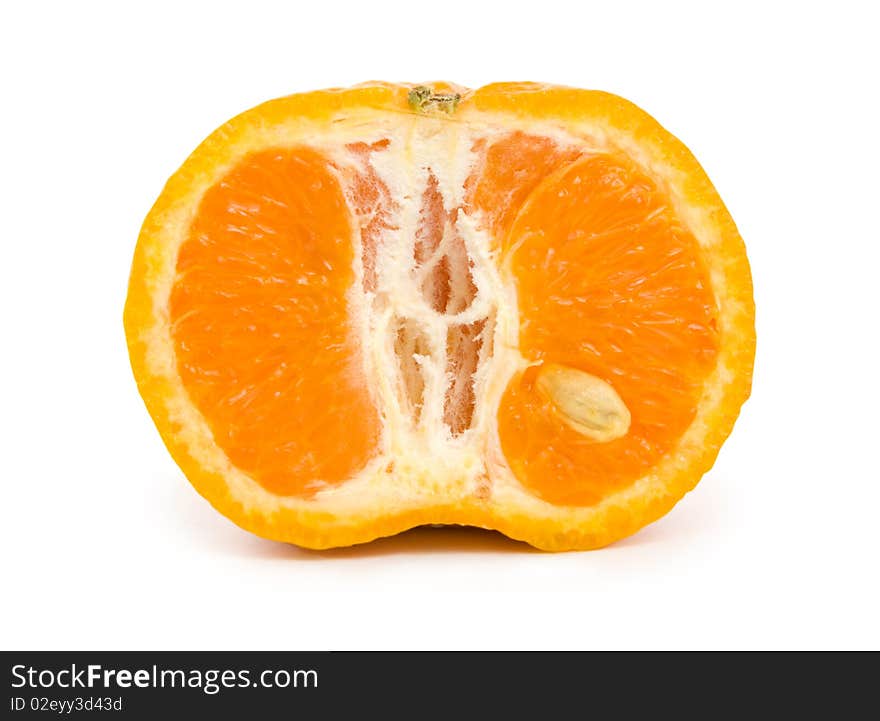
[(507, 170), (262, 326), (608, 282)]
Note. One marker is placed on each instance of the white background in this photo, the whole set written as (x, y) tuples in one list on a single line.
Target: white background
[(105, 545)]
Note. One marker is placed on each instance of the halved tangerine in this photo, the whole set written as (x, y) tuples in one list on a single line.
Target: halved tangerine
[(523, 307)]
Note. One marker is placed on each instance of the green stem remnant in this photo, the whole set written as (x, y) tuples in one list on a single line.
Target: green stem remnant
[(423, 99)]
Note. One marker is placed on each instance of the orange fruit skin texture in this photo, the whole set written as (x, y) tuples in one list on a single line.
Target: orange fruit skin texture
[(609, 279)]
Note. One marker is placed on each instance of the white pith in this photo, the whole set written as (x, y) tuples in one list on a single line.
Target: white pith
[(427, 457), (430, 465)]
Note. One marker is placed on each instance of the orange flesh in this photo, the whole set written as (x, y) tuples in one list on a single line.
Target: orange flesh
[(261, 324), (607, 281), (510, 168)]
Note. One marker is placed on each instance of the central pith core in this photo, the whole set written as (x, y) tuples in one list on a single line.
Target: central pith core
[(426, 283)]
